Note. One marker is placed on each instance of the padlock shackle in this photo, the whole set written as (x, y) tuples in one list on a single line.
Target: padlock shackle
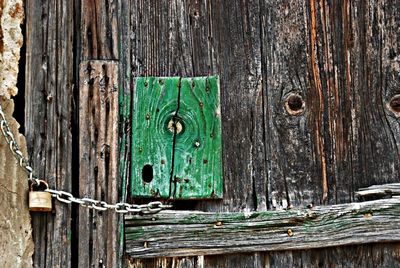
[(39, 183)]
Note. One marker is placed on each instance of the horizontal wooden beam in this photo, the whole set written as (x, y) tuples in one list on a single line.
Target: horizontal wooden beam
[(188, 233)]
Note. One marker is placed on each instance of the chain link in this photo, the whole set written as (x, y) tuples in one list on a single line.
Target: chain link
[(14, 147), (66, 197)]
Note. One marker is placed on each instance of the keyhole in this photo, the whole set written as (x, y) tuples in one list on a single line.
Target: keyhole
[(147, 173)]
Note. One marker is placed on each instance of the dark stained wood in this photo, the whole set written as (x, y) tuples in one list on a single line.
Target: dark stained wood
[(378, 191), (48, 103), (266, 52), (387, 255), (177, 262), (295, 175), (98, 156)]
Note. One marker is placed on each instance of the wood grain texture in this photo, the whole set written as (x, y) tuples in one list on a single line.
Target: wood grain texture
[(201, 233), (197, 172), (339, 58), (49, 110), (156, 102), (98, 156), (99, 29), (265, 51), (176, 138)]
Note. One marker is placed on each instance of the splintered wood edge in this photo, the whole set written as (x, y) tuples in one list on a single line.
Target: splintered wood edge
[(190, 233), (389, 189)]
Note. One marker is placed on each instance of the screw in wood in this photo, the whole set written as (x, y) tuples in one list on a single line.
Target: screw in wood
[(218, 224), (290, 232)]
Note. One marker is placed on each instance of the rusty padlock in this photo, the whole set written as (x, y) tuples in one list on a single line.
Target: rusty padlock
[(39, 200)]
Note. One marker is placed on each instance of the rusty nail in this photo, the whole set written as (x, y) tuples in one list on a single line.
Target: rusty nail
[(162, 161), (205, 161)]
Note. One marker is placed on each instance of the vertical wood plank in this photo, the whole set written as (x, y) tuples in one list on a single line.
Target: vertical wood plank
[(255, 260), (155, 103), (99, 29), (98, 154), (199, 38), (197, 153), (48, 103), (178, 262), (295, 171)]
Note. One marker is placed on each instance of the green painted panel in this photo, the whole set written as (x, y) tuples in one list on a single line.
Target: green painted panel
[(197, 162), (176, 138), (155, 103)]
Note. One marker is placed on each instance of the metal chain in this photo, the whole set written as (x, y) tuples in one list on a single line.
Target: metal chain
[(66, 197)]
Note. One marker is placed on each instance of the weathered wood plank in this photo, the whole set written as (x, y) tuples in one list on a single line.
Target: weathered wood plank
[(296, 165), (378, 191), (197, 171), (204, 233), (373, 255), (99, 30), (156, 102), (161, 45), (176, 141), (265, 51), (48, 116), (175, 262), (98, 155)]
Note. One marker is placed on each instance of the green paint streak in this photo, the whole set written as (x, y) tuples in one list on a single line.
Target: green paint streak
[(197, 166)]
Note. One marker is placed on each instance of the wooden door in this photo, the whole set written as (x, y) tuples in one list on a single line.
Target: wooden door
[(308, 102)]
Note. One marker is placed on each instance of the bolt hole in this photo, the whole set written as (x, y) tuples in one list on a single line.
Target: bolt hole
[(294, 104), (147, 173), (395, 104)]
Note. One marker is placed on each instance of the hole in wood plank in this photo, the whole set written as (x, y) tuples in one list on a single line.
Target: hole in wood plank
[(294, 104), (175, 125), (394, 105), (147, 173)]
